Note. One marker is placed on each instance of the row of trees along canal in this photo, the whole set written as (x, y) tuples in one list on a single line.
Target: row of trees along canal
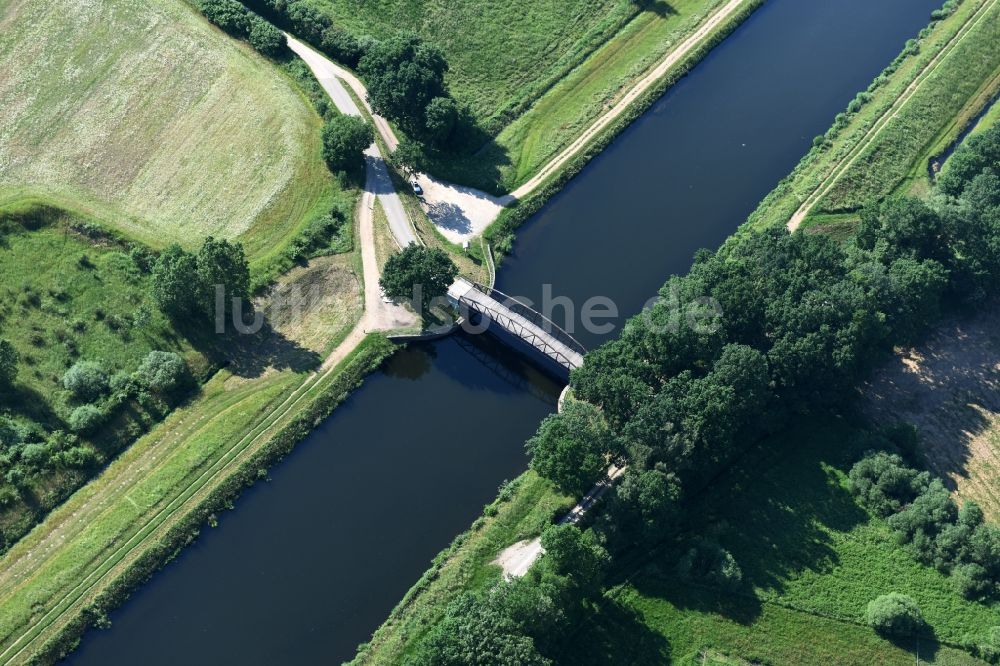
[(803, 316)]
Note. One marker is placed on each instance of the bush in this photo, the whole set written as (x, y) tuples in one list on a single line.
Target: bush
[(162, 371), (708, 562), (884, 483), (345, 139), (86, 380), (85, 419), (895, 614), (972, 581)]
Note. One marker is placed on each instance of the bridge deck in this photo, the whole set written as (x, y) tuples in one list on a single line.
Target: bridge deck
[(465, 293)]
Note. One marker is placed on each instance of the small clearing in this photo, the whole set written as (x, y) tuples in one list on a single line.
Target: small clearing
[(949, 388)]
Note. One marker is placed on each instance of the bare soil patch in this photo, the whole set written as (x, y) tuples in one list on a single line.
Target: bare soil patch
[(949, 388)]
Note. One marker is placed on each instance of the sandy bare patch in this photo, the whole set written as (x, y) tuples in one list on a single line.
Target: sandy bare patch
[(949, 388)]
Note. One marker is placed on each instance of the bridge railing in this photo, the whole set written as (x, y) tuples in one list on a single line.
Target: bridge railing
[(537, 318)]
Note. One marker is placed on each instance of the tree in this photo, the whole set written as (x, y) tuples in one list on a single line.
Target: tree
[(577, 555), (403, 75), (9, 360), (341, 45), (229, 15), (894, 614), (884, 483), (572, 448), (86, 380), (409, 156), (345, 139), (645, 504), (177, 287), (420, 273), (162, 371), (221, 263), (440, 118), (475, 632)]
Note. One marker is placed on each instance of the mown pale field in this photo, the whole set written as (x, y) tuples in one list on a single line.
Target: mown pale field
[(138, 112)]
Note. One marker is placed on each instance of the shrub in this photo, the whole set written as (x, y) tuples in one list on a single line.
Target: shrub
[(708, 562), (86, 380), (85, 419), (972, 581), (884, 483), (894, 614), (162, 371)]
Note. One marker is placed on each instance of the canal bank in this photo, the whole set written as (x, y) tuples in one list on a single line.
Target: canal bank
[(309, 563)]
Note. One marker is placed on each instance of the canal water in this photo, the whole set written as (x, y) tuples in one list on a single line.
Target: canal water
[(309, 563)]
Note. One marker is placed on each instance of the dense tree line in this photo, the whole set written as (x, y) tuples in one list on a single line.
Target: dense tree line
[(771, 325), (233, 17), (802, 317), (405, 75)]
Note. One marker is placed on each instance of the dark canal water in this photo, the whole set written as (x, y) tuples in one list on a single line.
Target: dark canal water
[(310, 563)]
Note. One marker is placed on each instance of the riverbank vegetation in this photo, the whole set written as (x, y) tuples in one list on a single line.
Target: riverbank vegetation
[(120, 528), (723, 397), (889, 136), (173, 110)]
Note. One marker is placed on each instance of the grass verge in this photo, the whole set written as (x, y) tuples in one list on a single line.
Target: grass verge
[(150, 502)]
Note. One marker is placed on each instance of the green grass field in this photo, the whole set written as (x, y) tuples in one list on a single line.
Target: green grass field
[(142, 115), (567, 108), (67, 297), (812, 559), (916, 110), (502, 54)]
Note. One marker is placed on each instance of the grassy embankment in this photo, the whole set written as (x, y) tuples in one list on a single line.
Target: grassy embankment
[(917, 107), (142, 115), (153, 500), (521, 511)]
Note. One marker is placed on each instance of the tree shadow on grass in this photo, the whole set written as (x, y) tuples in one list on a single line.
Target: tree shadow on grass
[(658, 7), (616, 636), (782, 503), (249, 355), (739, 605)]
